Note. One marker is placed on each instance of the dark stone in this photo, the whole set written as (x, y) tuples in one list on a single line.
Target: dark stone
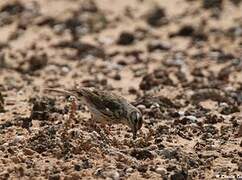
[(42, 108), (142, 154), (156, 17), (54, 177), (142, 168), (86, 164), (13, 8), (77, 167), (37, 62), (157, 45), (240, 166), (126, 38), (117, 77), (186, 31), (26, 122), (169, 153), (180, 175), (236, 2), (6, 125), (207, 4), (230, 110)]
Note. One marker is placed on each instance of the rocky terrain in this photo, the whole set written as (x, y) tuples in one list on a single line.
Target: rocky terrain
[(179, 62)]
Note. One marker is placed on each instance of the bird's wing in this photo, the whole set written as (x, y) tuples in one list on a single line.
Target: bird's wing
[(107, 103)]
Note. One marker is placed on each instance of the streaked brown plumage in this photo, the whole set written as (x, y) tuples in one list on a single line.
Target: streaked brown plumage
[(107, 107)]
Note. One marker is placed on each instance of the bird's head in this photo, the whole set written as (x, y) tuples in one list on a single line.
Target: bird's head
[(135, 121)]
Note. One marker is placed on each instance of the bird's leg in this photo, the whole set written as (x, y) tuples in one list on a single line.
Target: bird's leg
[(73, 109), (93, 122), (239, 134), (101, 129)]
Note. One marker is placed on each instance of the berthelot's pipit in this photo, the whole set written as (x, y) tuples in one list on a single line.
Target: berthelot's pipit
[(107, 107)]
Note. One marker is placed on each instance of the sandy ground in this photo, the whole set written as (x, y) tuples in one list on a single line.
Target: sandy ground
[(178, 61)]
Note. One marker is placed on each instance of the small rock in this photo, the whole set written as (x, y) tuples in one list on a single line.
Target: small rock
[(126, 38), (161, 171), (18, 139), (169, 153), (132, 90), (98, 172), (240, 167), (26, 122), (240, 153), (142, 154), (4, 175), (129, 170), (77, 167), (236, 2), (42, 108), (75, 176), (208, 154), (65, 70), (171, 167), (16, 159), (156, 17), (207, 4), (190, 119), (86, 164), (37, 62), (180, 175), (113, 174), (54, 177), (143, 168), (158, 45), (185, 31), (28, 151), (117, 77), (210, 129)]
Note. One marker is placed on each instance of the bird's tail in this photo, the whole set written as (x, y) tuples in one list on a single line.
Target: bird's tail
[(63, 91)]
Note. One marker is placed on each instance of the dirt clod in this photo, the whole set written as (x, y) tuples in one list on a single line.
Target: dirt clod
[(156, 17), (126, 38)]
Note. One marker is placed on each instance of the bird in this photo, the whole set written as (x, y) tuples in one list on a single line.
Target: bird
[(107, 107)]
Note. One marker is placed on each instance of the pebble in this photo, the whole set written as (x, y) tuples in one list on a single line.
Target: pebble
[(129, 170), (181, 113), (28, 151), (193, 119), (54, 177), (113, 175), (179, 175), (240, 167), (161, 171), (156, 16), (65, 70), (18, 139), (169, 153), (157, 45), (126, 38)]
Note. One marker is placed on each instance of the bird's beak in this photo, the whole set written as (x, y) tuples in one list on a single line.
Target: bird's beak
[(134, 133)]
